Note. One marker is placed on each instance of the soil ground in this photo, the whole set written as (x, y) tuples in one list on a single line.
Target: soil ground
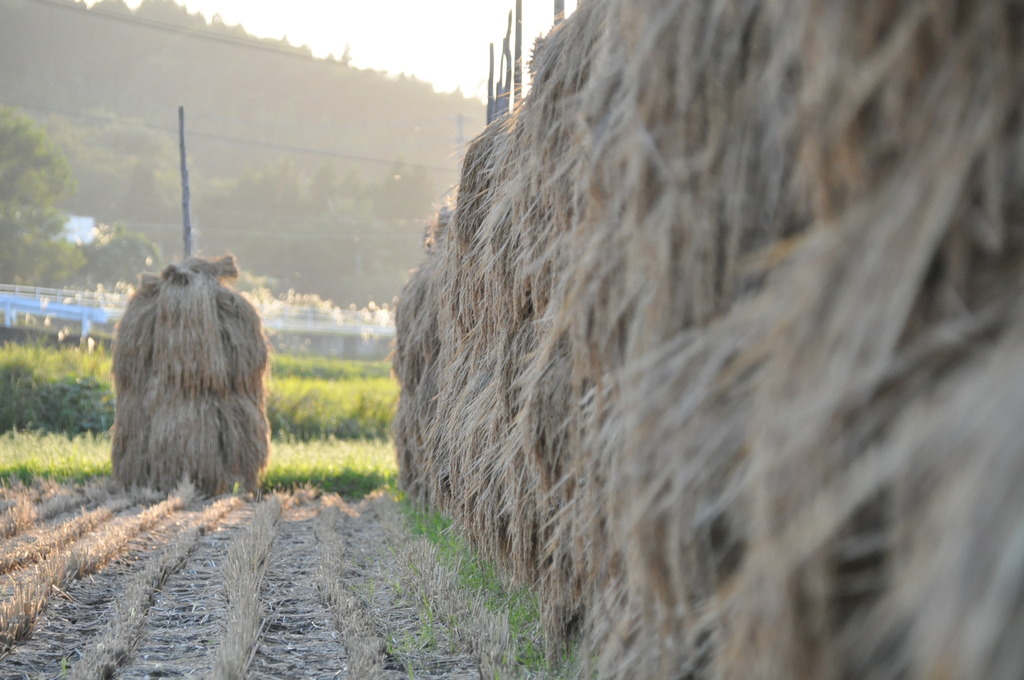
[(153, 599)]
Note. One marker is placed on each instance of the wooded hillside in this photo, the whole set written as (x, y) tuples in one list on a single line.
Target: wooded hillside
[(315, 174)]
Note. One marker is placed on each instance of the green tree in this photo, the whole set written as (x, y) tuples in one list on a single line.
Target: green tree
[(34, 175), (116, 255)]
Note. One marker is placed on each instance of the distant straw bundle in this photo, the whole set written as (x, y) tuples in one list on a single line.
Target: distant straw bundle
[(190, 363), (726, 341)]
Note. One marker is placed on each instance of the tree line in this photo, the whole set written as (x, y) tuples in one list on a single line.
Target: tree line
[(317, 175)]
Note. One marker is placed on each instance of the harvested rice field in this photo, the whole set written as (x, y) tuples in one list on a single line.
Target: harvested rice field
[(98, 582)]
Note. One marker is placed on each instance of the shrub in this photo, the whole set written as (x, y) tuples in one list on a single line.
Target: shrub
[(69, 405)]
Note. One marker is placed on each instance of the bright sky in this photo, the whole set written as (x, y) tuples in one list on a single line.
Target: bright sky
[(444, 42)]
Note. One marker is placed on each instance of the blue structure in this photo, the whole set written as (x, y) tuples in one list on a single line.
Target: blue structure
[(87, 316)]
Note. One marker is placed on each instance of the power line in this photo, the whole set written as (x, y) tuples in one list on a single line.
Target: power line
[(252, 42), (90, 116), (207, 33), (322, 152), (289, 235), (317, 219), (231, 140), (328, 220), (391, 122)]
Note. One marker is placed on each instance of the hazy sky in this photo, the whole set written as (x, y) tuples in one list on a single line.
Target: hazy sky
[(443, 42)]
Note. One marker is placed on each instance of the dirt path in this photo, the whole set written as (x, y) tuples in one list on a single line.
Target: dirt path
[(295, 586)]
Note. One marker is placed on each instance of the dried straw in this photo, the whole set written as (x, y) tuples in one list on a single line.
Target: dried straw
[(720, 346), (190, 363)]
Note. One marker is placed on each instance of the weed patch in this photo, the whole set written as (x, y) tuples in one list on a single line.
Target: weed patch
[(479, 576)]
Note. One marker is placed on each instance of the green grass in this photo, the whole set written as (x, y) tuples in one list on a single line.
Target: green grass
[(69, 390), (288, 365), (352, 469), (311, 408), (26, 455), (53, 363), (56, 363), (480, 576)]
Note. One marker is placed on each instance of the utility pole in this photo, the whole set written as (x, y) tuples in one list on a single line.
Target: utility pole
[(185, 197), (491, 103), (517, 87), (504, 87)]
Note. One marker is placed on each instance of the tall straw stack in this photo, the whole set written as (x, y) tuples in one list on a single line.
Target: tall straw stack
[(471, 319), (190, 365), (886, 448), (724, 343)]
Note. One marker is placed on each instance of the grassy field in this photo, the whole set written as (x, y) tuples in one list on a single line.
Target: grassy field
[(314, 408), (52, 363), (350, 468), (26, 455), (331, 421), (70, 391)]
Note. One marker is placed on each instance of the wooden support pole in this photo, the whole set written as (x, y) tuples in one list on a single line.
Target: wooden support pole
[(517, 87), (185, 197), (504, 90), (491, 104)]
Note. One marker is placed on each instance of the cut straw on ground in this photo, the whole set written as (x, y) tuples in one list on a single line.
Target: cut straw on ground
[(33, 587), (113, 647), (363, 640), (244, 568)]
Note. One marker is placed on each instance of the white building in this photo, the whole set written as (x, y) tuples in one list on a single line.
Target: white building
[(79, 229)]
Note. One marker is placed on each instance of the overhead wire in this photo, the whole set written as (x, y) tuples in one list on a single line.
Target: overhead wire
[(279, 47), (228, 139), (265, 44), (206, 34)]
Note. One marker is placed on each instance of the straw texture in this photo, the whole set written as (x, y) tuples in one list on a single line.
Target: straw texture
[(720, 346), (190, 364)]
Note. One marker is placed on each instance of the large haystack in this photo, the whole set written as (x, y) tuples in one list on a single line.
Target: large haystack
[(723, 341), (472, 319), (190, 364)]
